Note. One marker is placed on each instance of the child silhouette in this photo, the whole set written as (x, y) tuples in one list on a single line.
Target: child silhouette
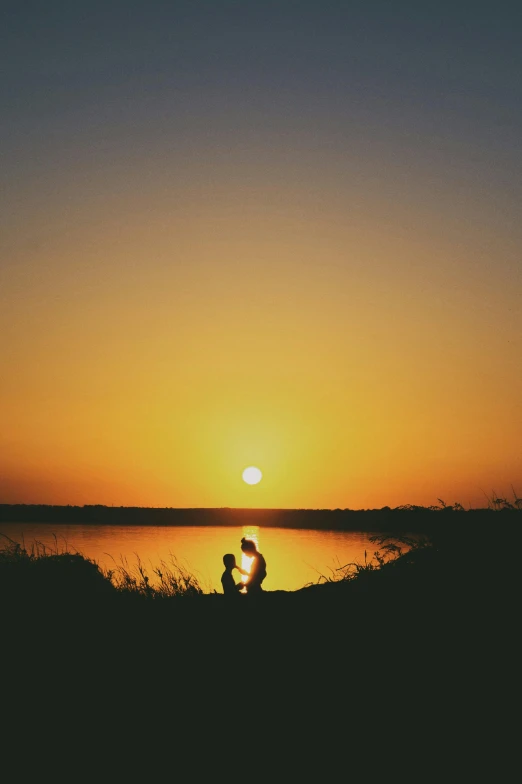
[(230, 587)]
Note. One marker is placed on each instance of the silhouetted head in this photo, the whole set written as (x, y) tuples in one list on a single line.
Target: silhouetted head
[(248, 546), (229, 559)]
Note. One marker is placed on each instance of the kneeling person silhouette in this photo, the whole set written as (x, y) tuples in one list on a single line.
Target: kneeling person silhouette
[(257, 572)]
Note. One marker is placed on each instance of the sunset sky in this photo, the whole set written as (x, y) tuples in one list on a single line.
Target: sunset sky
[(275, 234)]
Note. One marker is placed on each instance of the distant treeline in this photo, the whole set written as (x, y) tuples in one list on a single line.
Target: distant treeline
[(404, 518)]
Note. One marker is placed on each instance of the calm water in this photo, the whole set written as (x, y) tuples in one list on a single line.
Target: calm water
[(294, 557)]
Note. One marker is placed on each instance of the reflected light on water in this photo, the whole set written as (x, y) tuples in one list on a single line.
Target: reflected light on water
[(246, 563)]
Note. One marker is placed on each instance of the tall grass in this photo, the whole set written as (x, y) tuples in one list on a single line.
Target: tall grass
[(391, 548), (170, 579), (18, 562), (17, 552), (497, 503)]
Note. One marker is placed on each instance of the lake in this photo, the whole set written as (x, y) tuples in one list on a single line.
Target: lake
[(295, 557)]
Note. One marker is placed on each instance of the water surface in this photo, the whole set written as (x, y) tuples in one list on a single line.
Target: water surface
[(295, 557)]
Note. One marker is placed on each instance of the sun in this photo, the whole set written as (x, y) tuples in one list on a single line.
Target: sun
[(252, 475)]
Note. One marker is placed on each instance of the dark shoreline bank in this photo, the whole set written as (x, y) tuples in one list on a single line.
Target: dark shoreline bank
[(416, 656), (409, 518)]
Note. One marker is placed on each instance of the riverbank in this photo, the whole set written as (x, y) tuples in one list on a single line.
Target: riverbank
[(415, 659), (437, 583)]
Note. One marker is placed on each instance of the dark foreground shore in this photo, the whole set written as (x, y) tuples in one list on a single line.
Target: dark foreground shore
[(415, 661)]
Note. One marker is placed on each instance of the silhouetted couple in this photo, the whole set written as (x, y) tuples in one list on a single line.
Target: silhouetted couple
[(255, 576)]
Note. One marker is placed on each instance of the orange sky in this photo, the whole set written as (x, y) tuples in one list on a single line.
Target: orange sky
[(342, 310), (357, 357)]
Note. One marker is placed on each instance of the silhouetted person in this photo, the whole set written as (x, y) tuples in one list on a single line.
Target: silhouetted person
[(258, 569), (230, 587)]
